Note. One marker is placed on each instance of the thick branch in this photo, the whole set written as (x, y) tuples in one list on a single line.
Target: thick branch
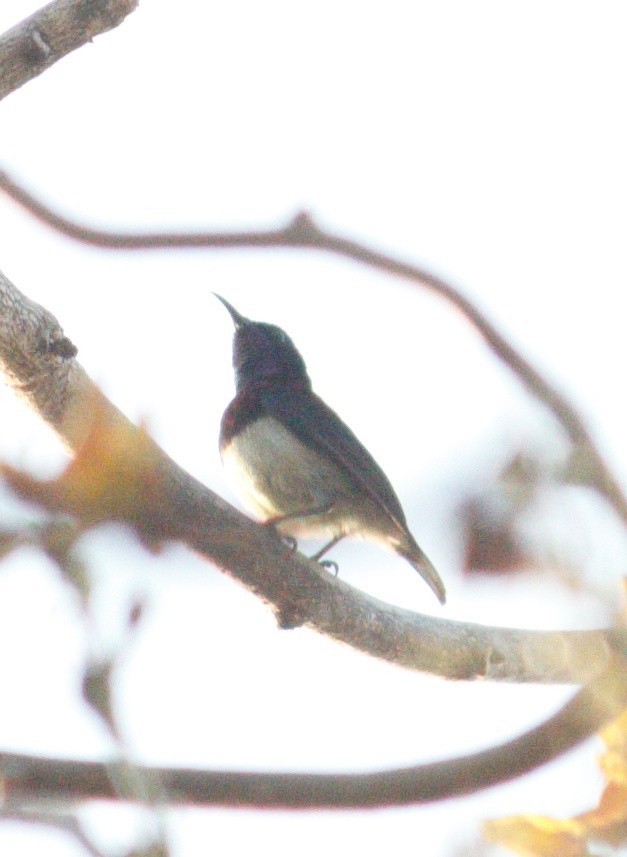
[(303, 232), (34, 353), (172, 504), (38, 42), (32, 778)]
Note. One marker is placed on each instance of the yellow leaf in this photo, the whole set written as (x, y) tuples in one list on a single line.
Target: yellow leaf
[(114, 475), (539, 836), (535, 836), (614, 761)]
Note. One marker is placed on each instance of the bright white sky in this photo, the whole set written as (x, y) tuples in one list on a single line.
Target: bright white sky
[(486, 140)]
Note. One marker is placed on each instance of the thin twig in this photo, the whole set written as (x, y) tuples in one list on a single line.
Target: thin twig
[(303, 232)]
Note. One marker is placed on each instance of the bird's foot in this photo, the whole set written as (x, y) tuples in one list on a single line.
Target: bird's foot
[(289, 542), (330, 565)]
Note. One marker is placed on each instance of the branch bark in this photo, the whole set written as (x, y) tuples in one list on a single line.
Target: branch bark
[(38, 361), (606, 696), (38, 42)]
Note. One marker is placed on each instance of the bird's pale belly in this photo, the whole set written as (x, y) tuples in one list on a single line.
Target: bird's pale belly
[(276, 475)]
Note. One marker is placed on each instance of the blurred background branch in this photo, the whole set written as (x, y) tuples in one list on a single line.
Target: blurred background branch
[(303, 232), (591, 708)]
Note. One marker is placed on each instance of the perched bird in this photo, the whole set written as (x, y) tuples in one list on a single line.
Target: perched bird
[(295, 463)]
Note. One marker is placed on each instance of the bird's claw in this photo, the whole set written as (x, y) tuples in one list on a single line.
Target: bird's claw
[(330, 565), (290, 542)]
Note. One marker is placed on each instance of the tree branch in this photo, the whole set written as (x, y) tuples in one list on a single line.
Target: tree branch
[(38, 42), (167, 503), (302, 232), (606, 696), (38, 360)]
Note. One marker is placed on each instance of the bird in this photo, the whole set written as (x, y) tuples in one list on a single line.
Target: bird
[(295, 464)]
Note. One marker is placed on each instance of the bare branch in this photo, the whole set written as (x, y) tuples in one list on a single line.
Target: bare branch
[(171, 504), (304, 233), (606, 696), (38, 42)]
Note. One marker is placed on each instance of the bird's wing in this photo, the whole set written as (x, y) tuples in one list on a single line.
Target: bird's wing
[(318, 426)]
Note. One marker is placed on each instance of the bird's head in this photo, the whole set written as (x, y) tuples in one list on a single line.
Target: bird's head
[(262, 351)]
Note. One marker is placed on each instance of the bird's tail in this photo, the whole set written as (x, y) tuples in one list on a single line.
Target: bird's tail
[(425, 568)]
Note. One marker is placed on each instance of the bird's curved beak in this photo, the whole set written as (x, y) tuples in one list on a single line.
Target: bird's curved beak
[(238, 320)]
